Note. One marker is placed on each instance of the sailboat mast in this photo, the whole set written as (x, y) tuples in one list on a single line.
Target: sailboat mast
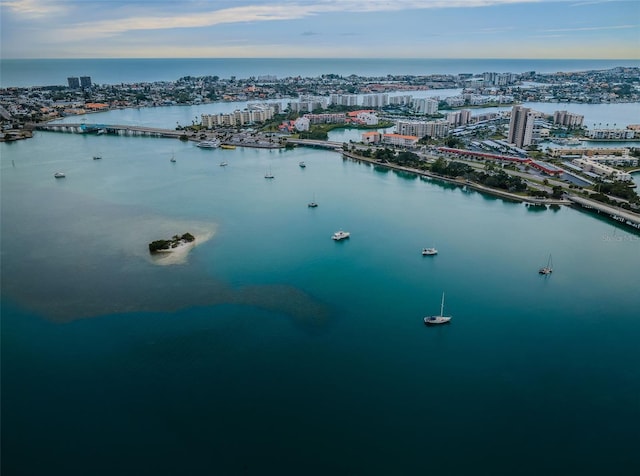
[(442, 306)]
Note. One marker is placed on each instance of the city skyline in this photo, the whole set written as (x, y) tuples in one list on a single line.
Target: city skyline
[(608, 29)]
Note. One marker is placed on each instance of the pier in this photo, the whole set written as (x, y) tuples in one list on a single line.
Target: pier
[(621, 216)]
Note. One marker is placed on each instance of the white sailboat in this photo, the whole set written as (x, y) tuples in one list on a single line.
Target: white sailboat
[(441, 319), (548, 269), (312, 204), (269, 174)]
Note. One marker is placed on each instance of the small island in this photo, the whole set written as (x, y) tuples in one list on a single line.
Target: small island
[(161, 246)]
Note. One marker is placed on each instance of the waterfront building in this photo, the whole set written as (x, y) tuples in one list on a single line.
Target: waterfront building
[(426, 106), (459, 118), (521, 126), (435, 129), (568, 119), (336, 118), (74, 83), (85, 82), (612, 134), (237, 117), (400, 140), (589, 152), (618, 160), (602, 170), (343, 99), (372, 137), (308, 104), (367, 117), (375, 100), (403, 100)]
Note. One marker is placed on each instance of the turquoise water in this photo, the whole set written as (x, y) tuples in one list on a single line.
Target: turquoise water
[(275, 350)]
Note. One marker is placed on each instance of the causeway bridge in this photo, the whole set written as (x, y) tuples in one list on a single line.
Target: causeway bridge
[(121, 130), (623, 216), (323, 144)]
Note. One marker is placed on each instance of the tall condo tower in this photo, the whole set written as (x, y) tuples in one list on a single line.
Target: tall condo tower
[(521, 126)]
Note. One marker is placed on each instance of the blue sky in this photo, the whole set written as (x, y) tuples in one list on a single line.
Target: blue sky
[(607, 29)]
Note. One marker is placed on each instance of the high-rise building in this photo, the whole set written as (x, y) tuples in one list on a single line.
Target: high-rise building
[(85, 81), (74, 83), (521, 126)]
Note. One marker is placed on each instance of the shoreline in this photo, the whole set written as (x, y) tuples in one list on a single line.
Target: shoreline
[(475, 186), (180, 253)]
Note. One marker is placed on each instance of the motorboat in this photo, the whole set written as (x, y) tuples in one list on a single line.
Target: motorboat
[(429, 251), (209, 144), (302, 164), (223, 164), (441, 319), (340, 235), (59, 175)]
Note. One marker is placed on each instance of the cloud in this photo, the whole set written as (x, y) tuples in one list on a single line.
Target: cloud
[(34, 8), (137, 15), (592, 28)]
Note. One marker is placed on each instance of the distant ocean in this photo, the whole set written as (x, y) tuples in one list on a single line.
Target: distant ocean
[(50, 72)]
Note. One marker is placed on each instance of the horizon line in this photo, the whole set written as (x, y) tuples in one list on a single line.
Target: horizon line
[(322, 58)]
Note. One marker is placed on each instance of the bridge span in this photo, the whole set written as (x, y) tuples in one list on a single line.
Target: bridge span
[(122, 130), (324, 144)]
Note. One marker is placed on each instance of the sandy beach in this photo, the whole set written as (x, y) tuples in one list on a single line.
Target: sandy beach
[(180, 253)]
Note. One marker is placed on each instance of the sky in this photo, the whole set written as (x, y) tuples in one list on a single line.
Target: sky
[(581, 29)]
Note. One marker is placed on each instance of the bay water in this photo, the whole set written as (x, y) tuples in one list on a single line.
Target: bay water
[(272, 349)]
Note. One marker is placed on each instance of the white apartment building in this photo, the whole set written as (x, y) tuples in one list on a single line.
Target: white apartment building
[(343, 99), (375, 100), (568, 119), (459, 118), (400, 140), (611, 134), (308, 104), (603, 170), (368, 118), (423, 128), (403, 100), (236, 118), (337, 118), (426, 106)]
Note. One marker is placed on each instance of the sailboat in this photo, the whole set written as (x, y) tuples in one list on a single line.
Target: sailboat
[(548, 269), (269, 174), (173, 158), (312, 204), (441, 319)]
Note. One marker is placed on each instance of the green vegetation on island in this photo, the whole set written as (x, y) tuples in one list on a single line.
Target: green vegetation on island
[(167, 245)]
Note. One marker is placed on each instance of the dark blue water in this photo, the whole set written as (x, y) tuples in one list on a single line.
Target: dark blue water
[(274, 350), (46, 72)]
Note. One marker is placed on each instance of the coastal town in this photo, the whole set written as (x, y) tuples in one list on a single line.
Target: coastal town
[(516, 151)]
